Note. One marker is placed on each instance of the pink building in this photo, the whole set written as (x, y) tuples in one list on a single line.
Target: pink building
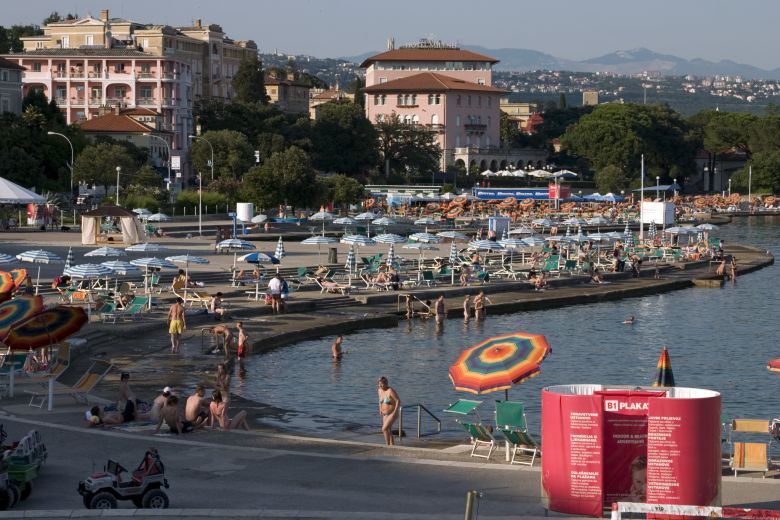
[(443, 87)]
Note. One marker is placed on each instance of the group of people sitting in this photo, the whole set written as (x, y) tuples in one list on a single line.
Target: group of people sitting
[(198, 411)]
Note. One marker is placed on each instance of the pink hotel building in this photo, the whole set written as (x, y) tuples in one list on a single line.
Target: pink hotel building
[(447, 89)]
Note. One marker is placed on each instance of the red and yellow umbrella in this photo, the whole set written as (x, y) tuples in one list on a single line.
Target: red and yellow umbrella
[(664, 376), (773, 365), (19, 276), (6, 282), (46, 328), (17, 310), (499, 362)]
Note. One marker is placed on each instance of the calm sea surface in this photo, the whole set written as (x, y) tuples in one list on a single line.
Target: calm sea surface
[(719, 339)]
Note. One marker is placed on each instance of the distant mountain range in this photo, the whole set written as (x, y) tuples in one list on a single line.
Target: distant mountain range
[(632, 61)]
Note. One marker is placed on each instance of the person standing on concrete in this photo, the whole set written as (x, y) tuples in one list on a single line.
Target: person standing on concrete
[(275, 288), (176, 324)]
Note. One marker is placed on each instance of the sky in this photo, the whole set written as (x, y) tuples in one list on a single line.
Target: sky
[(741, 31)]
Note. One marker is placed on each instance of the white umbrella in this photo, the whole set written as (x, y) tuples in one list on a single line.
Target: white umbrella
[(426, 221), (259, 219), (145, 247), (105, 251), (11, 193), (486, 245), (143, 212), (489, 173), (158, 217), (39, 256), (279, 249), (89, 271), (366, 217), (707, 227), (121, 267), (598, 221), (152, 263), (235, 243), (383, 221), (389, 238), (533, 241), (522, 230), (429, 238), (322, 216), (359, 240), (345, 221), (544, 222), (574, 221), (7, 259), (421, 247), (541, 174), (453, 235)]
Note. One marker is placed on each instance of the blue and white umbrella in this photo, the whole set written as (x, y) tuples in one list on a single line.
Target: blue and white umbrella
[(69, 258), (39, 256), (235, 244), (366, 217), (616, 235), (142, 212), (678, 230), (453, 235), (630, 241), (568, 231), (598, 221), (105, 251), (319, 240), (259, 257), (574, 221), (279, 249), (428, 238), (555, 238), (358, 240), (322, 215), (544, 222), (345, 221), (534, 241), (627, 230), (7, 259), (513, 243), (391, 255), (187, 259), (707, 227), (389, 238), (383, 221), (486, 245), (158, 217), (121, 267), (426, 221), (351, 264), (598, 237), (505, 234), (522, 230), (653, 231), (453, 254), (89, 271), (145, 247), (153, 263)]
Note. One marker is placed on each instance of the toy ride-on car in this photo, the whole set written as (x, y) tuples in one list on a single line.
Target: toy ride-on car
[(20, 464), (143, 486)]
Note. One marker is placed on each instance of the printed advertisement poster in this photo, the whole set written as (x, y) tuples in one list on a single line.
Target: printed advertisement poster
[(684, 465), (625, 445), (571, 465)]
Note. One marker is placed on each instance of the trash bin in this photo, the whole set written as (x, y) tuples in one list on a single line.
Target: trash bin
[(333, 255)]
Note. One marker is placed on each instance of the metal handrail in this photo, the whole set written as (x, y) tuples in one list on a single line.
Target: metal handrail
[(420, 408)]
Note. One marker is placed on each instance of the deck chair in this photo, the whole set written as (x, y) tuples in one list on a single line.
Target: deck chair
[(57, 369), (569, 267), (480, 436), (201, 297), (512, 424), (463, 407), (749, 456), (332, 287), (108, 312), (428, 278), (79, 391), (551, 265), (135, 309)]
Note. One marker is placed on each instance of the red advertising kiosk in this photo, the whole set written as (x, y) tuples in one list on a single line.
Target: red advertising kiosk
[(604, 444)]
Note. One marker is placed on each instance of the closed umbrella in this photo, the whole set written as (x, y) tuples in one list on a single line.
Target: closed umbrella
[(279, 249), (69, 258), (664, 376), (453, 256), (39, 256), (391, 255), (351, 264)]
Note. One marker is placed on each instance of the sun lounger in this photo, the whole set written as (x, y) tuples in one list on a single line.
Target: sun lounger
[(521, 442), (333, 287), (57, 369), (79, 391), (480, 436)]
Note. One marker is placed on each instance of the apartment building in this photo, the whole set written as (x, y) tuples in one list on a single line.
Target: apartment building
[(290, 95), (89, 63), (10, 87)]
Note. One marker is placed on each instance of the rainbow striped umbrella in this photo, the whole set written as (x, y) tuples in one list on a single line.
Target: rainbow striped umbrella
[(499, 362), (773, 365), (46, 328), (19, 276), (18, 309), (665, 376), (6, 282)]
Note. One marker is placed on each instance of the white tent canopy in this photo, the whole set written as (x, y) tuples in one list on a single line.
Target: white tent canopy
[(129, 232), (11, 193)]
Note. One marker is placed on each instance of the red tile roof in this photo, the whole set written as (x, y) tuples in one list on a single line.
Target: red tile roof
[(115, 123), (139, 111), (8, 64), (413, 54), (430, 82)]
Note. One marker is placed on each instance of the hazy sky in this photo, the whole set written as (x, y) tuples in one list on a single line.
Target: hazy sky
[(742, 31)]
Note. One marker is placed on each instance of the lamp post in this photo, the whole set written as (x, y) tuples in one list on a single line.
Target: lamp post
[(212, 152), (641, 199), (118, 170), (675, 186), (70, 166), (200, 204), (168, 146), (707, 183), (729, 186), (750, 182)]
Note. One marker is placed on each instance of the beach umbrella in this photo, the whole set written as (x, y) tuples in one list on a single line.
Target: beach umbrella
[(664, 376), (345, 221), (158, 217), (322, 216), (7, 284), (366, 217), (358, 240), (598, 221), (486, 245), (568, 231), (19, 275), (426, 221), (153, 263), (235, 244), (428, 238), (630, 240), (259, 257), (677, 230), (104, 251), (143, 212), (707, 227), (453, 235), (534, 241), (279, 249), (46, 328), (383, 221), (421, 247), (653, 231), (121, 267), (453, 254), (7, 259), (522, 230), (89, 271), (499, 362), (389, 238), (39, 256), (391, 255), (259, 219), (616, 235), (145, 247), (69, 258), (351, 264), (544, 222), (598, 237), (319, 240), (773, 365), (574, 221), (17, 310)]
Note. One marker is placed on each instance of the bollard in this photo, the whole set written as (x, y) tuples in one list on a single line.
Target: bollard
[(472, 497), (11, 380)]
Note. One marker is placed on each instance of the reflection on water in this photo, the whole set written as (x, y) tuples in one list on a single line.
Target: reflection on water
[(718, 338)]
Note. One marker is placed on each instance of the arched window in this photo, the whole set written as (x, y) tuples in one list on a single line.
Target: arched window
[(430, 99), (400, 100), (416, 119), (457, 120), (435, 119)]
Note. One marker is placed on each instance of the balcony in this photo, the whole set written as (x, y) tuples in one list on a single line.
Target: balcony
[(61, 100), (475, 127), (170, 76), (145, 101), (77, 101), (96, 74), (406, 106), (170, 102), (36, 76), (437, 127), (121, 102), (95, 101), (145, 75)]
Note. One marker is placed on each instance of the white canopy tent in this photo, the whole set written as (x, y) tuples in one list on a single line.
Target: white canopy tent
[(11, 193), (129, 226)]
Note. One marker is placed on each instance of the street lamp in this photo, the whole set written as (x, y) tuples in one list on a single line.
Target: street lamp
[(70, 166), (729, 186), (167, 145), (212, 152), (200, 204), (118, 170), (675, 186)]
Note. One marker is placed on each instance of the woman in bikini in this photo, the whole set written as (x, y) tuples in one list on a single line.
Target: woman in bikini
[(479, 305), (389, 404), (219, 416), (223, 382)]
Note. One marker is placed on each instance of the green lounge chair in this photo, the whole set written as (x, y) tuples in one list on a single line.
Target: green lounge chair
[(511, 423), (551, 265), (521, 443), (462, 406), (480, 436), (428, 278)]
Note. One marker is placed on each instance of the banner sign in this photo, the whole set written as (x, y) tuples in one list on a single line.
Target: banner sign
[(518, 193)]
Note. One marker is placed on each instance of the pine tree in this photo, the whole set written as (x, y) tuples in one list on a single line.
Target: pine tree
[(248, 82)]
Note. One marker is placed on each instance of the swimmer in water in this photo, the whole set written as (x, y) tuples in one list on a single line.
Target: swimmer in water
[(629, 321)]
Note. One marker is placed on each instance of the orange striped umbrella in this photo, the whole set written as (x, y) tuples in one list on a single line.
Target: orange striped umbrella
[(6, 282), (46, 328), (773, 365), (664, 376), (499, 362), (18, 309), (18, 275)]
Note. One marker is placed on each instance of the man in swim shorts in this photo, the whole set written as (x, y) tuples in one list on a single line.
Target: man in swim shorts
[(176, 324), (172, 417), (196, 407)]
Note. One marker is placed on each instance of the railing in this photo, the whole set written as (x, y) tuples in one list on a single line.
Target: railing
[(77, 101), (97, 75), (61, 100), (95, 101), (170, 75), (476, 127), (145, 75), (145, 101), (436, 127), (420, 408)]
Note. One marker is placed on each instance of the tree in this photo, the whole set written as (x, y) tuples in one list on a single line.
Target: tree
[(610, 179), (344, 190), (766, 174), (356, 87), (344, 140), (10, 38), (408, 148), (510, 134), (233, 155), (146, 179), (562, 101), (97, 164), (248, 82), (286, 177), (18, 166)]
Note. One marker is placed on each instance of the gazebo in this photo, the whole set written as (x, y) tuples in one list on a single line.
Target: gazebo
[(110, 225)]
